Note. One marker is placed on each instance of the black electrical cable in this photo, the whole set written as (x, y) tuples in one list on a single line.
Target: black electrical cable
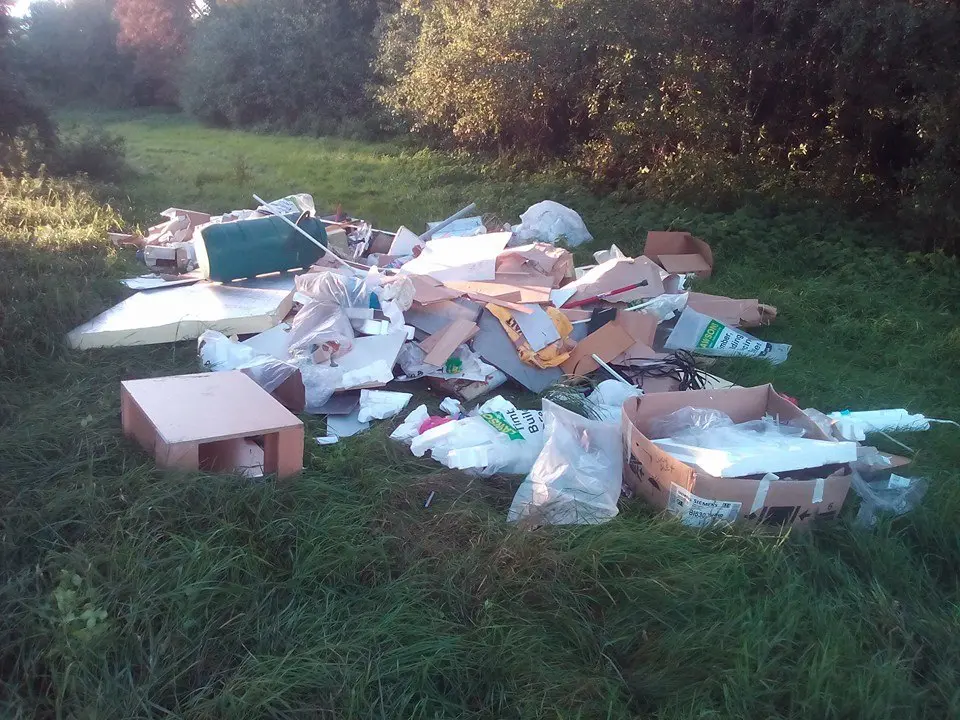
[(680, 366)]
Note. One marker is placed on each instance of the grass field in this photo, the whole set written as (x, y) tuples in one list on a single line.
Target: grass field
[(130, 593)]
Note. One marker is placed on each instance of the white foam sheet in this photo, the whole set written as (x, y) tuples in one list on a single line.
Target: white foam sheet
[(758, 458), (183, 313), (459, 258)]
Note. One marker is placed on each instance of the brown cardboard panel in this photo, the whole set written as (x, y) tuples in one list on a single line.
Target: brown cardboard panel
[(616, 274), (607, 343), (733, 312), (427, 290), (642, 328)]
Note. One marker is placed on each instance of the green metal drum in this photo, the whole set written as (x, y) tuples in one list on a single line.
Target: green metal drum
[(231, 251)]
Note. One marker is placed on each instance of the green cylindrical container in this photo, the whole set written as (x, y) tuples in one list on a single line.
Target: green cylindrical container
[(235, 250)]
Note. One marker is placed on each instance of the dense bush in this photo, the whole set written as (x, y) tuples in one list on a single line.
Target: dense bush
[(70, 53), (853, 99), (300, 65), (24, 123)]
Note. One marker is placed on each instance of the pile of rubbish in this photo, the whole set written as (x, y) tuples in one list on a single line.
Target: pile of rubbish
[(323, 312)]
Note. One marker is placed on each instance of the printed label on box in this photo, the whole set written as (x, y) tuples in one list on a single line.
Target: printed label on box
[(695, 511)]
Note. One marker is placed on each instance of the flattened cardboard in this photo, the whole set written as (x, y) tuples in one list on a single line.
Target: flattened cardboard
[(606, 343), (537, 260), (732, 312), (642, 328), (665, 482), (679, 253), (613, 275), (428, 291)]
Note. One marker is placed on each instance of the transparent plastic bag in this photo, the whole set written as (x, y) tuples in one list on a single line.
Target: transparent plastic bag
[(319, 383), (548, 221), (217, 352), (321, 326), (893, 494), (331, 288), (687, 419), (576, 478)]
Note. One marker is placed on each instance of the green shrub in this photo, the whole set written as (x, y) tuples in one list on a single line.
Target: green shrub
[(299, 65), (845, 99), (88, 151)]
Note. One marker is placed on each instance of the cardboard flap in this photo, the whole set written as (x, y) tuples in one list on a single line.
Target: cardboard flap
[(676, 248), (687, 263)]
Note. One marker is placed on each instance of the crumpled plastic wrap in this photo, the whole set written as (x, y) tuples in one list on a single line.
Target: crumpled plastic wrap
[(322, 323), (548, 221), (576, 478), (217, 352)]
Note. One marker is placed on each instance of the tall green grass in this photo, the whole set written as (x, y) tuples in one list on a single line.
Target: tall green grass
[(131, 593)]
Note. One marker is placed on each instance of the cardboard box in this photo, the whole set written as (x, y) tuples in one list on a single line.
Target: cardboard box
[(700, 499), (679, 253)]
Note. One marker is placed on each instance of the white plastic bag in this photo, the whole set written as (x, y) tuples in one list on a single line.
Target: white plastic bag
[(577, 476), (609, 396), (548, 221), (499, 439), (410, 427), (319, 383), (703, 334)]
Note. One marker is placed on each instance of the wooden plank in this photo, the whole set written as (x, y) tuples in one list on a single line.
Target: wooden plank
[(450, 339), (516, 307), (497, 290)]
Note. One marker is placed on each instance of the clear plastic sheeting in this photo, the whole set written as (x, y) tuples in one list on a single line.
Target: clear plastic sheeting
[(319, 326), (549, 221), (324, 322), (217, 352), (688, 419), (891, 494), (576, 478)]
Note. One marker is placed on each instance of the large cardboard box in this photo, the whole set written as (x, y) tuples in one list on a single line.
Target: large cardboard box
[(699, 499)]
